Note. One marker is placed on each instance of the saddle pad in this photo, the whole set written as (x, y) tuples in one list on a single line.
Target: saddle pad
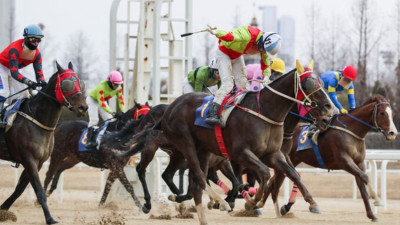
[(83, 139), (11, 113), (202, 111), (304, 142)]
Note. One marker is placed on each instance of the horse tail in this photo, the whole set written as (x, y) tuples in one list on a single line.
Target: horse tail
[(140, 140)]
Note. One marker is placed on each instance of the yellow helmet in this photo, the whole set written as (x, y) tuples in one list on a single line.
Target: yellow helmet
[(278, 65)]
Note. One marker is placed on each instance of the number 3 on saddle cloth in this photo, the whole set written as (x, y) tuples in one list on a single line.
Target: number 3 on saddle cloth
[(304, 143), (228, 104), (99, 132)]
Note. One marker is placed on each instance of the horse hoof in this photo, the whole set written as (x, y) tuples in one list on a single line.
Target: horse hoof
[(260, 205), (145, 209), (215, 206), (51, 221), (283, 210), (315, 209), (375, 220), (257, 211), (248, 207), (378, 203), (209, 205), (172, 198), (48, 193), (223, 207), (232, 205)]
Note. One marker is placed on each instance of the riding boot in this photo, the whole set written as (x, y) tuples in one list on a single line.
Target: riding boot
[(212, 117), (91, 142)]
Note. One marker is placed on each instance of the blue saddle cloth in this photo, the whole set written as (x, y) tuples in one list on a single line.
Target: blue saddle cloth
[(304, 142), (83, 139), (202, 112), (15, 107)]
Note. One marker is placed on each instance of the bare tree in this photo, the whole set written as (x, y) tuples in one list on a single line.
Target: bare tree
[(366, 43), (79, 53), (397, 100)]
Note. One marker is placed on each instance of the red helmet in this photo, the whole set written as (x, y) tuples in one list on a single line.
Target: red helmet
[(115, 77), (350, 72)]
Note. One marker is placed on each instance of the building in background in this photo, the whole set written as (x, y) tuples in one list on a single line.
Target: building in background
[(7, 22), (284, 26)]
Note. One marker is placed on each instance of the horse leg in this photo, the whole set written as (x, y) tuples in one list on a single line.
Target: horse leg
[(110, 181), (175, 163), (181, 176), (33, 173), (124, 181), (227, 170), (55, 162), (19, 189), (66, 164), (278, 162), (253, 163), (146, 156), (358, 171)]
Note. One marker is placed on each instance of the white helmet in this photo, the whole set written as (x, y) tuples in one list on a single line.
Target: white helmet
[(271, 42), (213, 63)]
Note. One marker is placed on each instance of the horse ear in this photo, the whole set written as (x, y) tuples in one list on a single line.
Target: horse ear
[(299, 67), (70, 66), (311, 66), (147, 103), (59, 68)]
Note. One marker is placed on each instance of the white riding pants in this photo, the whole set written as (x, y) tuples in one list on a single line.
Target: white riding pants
[(230, 71), (94, 110), (9, 86)]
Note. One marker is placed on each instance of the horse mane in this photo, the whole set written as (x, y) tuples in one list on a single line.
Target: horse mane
[(117, 139), (374, 98)]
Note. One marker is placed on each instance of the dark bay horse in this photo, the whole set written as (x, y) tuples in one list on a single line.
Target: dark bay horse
[(247, 137), (66, 140), (342, 146), (30, 140), (65, 157)]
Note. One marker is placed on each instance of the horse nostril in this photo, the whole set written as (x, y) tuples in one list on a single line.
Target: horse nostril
[(328, 106), (391, 133), (83, 108)]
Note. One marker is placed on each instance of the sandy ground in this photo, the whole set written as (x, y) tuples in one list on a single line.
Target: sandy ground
[(81, 196)]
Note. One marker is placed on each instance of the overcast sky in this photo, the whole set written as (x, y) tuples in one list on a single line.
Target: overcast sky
[(63, 18)]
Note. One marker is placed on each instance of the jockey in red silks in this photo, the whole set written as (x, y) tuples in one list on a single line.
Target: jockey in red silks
[(17, 55), (254, 72), (230, 62)]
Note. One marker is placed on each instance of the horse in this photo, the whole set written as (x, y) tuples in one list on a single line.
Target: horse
[(65, 157), (247, 137), (66, 135), (342, 146), (35, 123)]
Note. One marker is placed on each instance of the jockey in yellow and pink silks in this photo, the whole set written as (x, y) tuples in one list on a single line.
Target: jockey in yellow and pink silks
[(230, 62)]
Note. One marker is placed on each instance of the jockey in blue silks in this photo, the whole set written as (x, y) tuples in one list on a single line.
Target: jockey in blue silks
[(338, 81)]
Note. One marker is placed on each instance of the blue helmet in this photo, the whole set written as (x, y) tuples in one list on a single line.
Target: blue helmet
[(32, 30)]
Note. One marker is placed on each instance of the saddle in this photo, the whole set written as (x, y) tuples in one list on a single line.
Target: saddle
[(99, 132)]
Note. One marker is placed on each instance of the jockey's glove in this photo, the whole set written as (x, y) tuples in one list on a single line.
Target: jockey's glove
[(343, 111), (32, 85), (42, 83), (117, 116)]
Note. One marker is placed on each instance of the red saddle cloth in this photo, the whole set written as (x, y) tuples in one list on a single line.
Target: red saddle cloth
[(229, 99)]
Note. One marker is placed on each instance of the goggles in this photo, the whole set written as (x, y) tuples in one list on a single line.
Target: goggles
[(34, 39)]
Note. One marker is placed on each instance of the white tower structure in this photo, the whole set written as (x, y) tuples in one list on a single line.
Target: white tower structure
[(7, 22), (286, 28), (144, 45), (269, 19)]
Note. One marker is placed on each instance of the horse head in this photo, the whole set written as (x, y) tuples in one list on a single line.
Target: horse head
[(383, 117), (69, 90), (316, 101)]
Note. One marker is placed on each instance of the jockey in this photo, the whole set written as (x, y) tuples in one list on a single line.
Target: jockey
[(17, 55), (338, 81), (254, 73), (230, 62), (97, 102), (205, 76)]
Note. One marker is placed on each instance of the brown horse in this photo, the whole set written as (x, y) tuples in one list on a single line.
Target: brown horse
[(247, 137), (65, 156), (30, 140), (342, 146)]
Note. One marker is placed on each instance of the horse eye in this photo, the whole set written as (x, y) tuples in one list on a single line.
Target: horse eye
[(67, 86)]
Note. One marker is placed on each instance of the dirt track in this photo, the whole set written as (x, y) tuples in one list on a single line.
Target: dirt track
[(81, 196)]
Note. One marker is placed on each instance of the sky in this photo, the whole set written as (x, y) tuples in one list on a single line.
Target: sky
[(64, 18)]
